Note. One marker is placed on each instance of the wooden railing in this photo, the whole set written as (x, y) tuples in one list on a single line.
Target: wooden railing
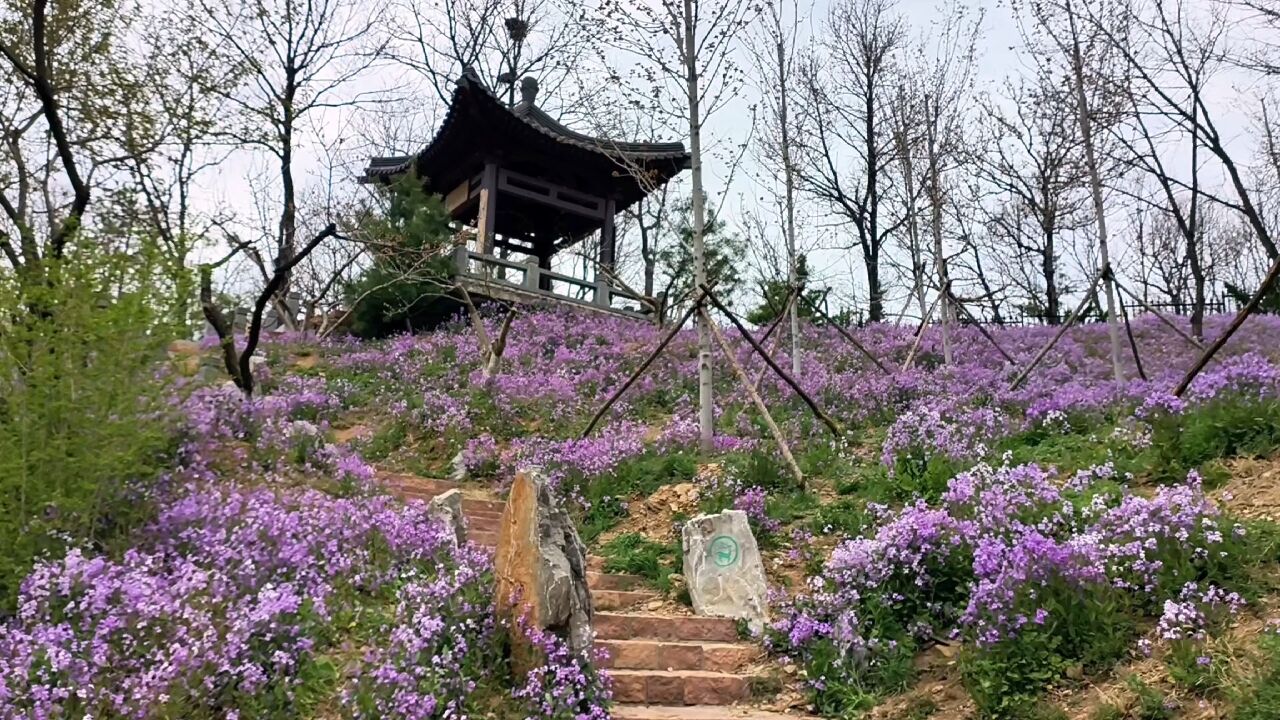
[(488, 269)]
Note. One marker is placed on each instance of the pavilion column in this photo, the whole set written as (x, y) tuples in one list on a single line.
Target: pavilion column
[(608, 235), (488, 214), (544, 262)]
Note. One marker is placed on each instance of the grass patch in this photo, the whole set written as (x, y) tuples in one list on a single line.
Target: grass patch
[(635, 554)]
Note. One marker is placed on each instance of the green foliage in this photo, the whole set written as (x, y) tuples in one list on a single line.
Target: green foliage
[(1270, 301), (1260, 698), (856, 684), (607, 495), (761, 469), (1006, 680), (1225, 427), (724, 255), (1186, 669), (916, 476), (403, 288), (774, 294), (846, 516), (81, 424), (635, 554)]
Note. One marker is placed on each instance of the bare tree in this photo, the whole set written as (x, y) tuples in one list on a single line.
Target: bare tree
[(501, 41), (64, 75), (239, 361), (299, 58), (1030, 159), (1170, 54), (1091, 66), (940, 85), (847, 89), (685, 48), (774, 53)]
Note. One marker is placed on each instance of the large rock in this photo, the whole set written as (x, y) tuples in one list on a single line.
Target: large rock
[(541, 569), (458, 467), (446, 508), (723, 569), (185, 356)]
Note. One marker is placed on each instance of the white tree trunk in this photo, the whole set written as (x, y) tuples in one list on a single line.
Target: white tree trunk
[(789, 176), (1099, 211), (706, 397), (935, 201)]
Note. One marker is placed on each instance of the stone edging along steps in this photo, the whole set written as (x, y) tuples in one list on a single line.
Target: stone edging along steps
[(664, 667)]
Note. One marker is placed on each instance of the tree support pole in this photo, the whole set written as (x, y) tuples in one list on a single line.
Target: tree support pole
[(1267, 283), (924, 321), (791, 302), (1075, 315), (826, 419), (846, 335), (1161, 316), (1128, 331), (981, 329), (666, 340), (778, 437)]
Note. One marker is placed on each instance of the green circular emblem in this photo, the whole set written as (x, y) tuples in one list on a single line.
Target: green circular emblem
[(723, 551)]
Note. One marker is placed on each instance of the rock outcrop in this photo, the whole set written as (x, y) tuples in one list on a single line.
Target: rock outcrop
[(723, 569), (541, 568), (446, 508)]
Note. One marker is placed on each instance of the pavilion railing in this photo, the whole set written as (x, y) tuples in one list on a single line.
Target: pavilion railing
[(492, 269)]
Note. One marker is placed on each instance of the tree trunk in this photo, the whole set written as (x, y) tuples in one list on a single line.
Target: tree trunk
[(706, 398), (913, 225), (1099, 210), (1052, 300), (875, 309), (935, 201), (789, 176)]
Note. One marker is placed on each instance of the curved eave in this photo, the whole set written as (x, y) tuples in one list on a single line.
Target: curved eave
[(472, 101)]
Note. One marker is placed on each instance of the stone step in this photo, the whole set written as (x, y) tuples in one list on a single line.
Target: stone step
[(490, 524), (674, 687), (682, 712), (492, 508), (614, 581), (619, 599), (483, 539), (675, 655), (640, 626)]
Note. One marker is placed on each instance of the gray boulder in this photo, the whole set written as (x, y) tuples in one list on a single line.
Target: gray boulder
[(541, 569), (723, 569), (446, 508)]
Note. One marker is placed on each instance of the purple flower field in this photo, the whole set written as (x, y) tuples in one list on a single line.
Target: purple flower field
[(1062, 523)]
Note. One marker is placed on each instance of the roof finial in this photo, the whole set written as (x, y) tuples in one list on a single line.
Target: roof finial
[(529, 90)]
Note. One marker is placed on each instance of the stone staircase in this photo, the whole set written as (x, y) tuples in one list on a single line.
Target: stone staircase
[(664, 666)]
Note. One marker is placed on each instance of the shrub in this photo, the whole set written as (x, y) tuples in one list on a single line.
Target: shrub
[(1035, 576), (82, 418)]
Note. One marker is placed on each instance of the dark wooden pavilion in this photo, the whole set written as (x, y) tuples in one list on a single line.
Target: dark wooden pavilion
[(529, 185)]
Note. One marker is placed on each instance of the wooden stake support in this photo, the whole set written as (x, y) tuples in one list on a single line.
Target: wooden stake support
[(666, 340), (924, 322), (1161, 316), (1245, 312), (846, 335), (1075, 315), (835, 427), (778, 437), (1128, 331), (791, 300), (985, 333)]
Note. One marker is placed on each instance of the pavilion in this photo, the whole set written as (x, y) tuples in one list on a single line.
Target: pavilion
[(529, 185)]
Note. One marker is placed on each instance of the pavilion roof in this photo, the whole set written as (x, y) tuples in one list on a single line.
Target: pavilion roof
[(480, 123)]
